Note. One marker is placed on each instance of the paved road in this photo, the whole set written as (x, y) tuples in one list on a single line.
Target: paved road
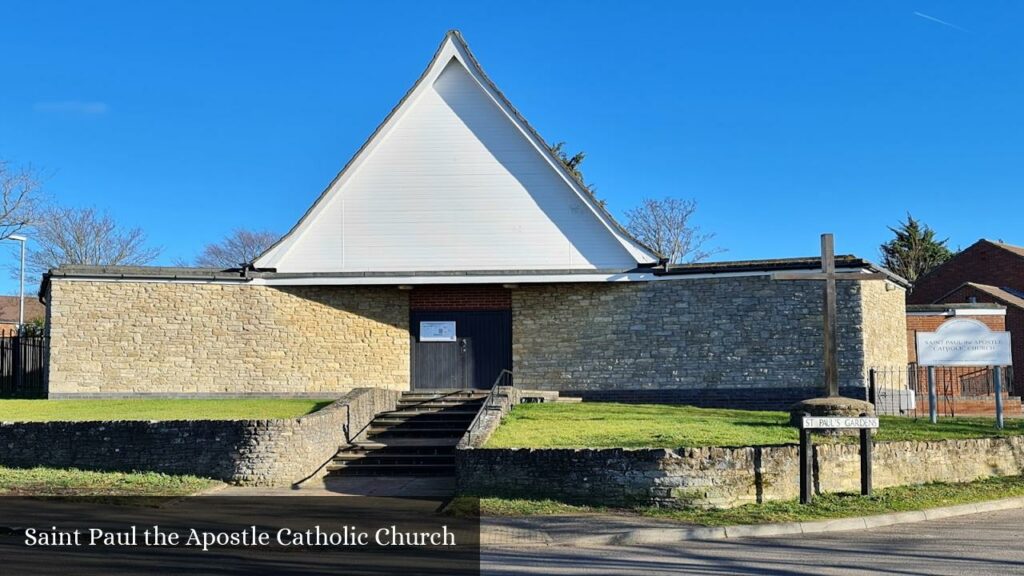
[(981, 544)]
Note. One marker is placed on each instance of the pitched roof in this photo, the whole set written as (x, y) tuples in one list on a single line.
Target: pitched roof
[(9, 309), (1004, 295), (453, 51), (1018, 250)]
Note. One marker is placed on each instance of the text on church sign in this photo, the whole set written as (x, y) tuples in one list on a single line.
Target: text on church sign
[(963, 342)]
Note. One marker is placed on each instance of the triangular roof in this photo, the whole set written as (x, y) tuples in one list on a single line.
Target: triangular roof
[(1015, 250), (454, 179), (1007, 296)]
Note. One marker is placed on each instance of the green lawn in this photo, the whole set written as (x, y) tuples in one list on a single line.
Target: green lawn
[(897, 499), (156, 409), (610, 425), (71, 482)]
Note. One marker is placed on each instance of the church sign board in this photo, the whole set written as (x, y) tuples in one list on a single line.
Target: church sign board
[(963, 342)]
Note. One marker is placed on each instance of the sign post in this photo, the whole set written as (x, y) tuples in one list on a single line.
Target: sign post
[(933, 408), (809, 423), (997, 384), (806, 466), (964, 342)]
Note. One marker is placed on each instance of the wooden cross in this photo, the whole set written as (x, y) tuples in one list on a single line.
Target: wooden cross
[(828, 274)]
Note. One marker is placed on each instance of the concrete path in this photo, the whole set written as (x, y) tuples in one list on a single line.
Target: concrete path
[(981, 544), (425, 488)]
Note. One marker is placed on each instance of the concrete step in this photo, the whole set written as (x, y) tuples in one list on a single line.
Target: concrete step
[(444, 395), (425, 433), (405, 443), (398, 450), (421, 422), (410, 412), (398, 456), (440, 405), (391, 470)]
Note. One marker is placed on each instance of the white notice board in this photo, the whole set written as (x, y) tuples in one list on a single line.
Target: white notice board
[(437, 331), (963, 342)]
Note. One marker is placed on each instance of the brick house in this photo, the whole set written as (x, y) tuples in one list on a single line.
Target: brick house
[(454, 245), (10, 311), (986, 271)]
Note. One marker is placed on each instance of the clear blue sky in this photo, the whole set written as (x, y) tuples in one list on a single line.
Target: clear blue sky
[(782, 119)]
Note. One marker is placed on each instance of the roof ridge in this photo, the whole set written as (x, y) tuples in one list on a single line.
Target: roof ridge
[(1007, 296), (1011, 248)]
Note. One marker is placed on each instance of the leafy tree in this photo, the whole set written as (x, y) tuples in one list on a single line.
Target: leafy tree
[(914, 251), (664, 225), (69, 236), (34, 327), (240, 247)]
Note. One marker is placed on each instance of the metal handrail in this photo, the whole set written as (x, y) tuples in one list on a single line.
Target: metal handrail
[(488, 402)]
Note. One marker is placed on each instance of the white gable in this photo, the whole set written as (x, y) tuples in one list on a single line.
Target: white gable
[(454, 180)]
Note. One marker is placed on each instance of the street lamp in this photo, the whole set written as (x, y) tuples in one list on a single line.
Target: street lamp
[(21, 297)]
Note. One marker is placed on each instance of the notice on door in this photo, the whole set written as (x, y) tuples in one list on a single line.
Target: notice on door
[(437, 331)]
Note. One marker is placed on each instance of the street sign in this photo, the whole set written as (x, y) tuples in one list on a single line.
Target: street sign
[(809, 424), (836, 422)]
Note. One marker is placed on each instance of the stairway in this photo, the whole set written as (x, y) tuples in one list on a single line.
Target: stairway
[(418, 438)]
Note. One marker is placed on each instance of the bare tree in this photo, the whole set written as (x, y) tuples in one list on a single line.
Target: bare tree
[(64, 236), (240, 247), (664, 225), (20, 198)]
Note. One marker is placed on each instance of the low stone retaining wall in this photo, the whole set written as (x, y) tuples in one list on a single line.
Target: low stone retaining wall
[(722, 477), (252, 452)]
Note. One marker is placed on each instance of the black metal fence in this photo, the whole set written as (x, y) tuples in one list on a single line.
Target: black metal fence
[(959, 391), (22, 361)]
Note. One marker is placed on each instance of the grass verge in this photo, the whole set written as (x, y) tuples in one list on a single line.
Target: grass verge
[(73, 482), (156, 409), (824, 507), (611, 425)]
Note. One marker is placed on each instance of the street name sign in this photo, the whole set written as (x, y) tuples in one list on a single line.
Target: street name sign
[(837, 422)]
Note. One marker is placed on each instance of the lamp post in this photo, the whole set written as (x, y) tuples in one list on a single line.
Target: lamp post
[(21, 294)]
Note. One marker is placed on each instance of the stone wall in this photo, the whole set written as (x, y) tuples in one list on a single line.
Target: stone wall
[(884, 324), (163, 338), (721, 477), (694, 339), (251, 452)]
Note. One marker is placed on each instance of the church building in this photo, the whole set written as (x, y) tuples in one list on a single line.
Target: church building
[(454, 250)]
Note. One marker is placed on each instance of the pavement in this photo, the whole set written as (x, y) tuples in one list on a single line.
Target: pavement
[(985, 538), (978, 544), (617, 530)]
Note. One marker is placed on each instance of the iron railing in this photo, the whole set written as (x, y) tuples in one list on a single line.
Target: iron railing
[(22, 363), (489, 403), (903, 391)]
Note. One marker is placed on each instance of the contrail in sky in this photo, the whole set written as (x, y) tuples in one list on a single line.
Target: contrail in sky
[(943, 22)]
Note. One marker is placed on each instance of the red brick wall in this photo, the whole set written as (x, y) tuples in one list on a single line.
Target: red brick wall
[(982, 263), (1014, 325), (460, 297)]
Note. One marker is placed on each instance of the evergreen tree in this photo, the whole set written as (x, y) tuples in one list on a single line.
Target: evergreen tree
[(914, 251)]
